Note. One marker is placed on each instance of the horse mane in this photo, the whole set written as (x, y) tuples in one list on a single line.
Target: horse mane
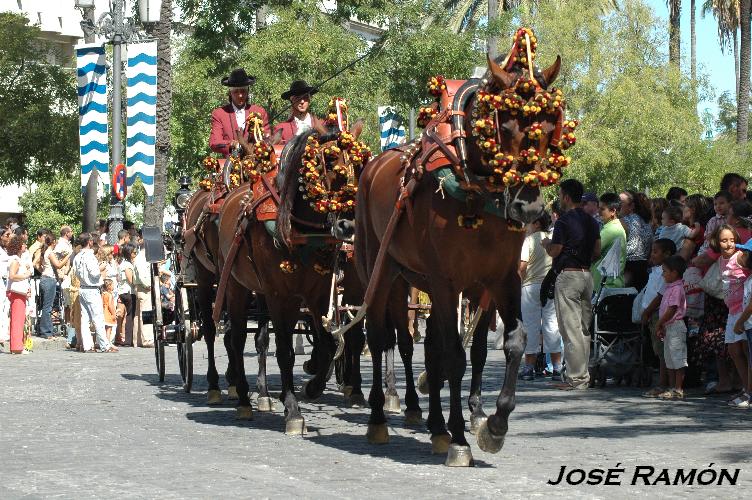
[(287, 180)]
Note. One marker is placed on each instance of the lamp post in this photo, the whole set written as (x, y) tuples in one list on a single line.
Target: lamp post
[(117, 29)]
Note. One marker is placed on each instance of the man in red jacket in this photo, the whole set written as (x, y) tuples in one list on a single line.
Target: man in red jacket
[(300, 119), (232, 118)]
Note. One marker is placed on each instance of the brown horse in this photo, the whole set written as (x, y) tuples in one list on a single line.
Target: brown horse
[(203, 250), (431, 250), (286, 273)]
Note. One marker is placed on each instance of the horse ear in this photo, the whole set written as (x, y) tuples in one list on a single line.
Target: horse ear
[(502, 77), (552, 71), (357, 129), (276, 138)]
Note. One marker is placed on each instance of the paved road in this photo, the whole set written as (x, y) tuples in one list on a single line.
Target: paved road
[(101, 426)]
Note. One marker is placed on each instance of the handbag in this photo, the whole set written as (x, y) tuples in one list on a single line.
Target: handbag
[(712, 283), (21, 287)]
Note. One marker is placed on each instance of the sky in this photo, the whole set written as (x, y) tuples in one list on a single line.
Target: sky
[(717, 66)]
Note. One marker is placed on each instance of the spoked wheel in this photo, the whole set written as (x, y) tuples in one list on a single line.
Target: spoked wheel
[(159, 356), (186, 337)]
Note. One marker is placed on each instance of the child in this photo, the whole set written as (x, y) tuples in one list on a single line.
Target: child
[(738, 217), (744, 323), (108, 304), (696, 213), (721, 205), (672, 227), (166, 293), (734, 273), (671, 328), (661, 250)]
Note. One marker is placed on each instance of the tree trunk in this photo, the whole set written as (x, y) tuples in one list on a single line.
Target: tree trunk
[(674, 33), (742, 121), (260, 18), (154, 209), (693, 42), (736, 64), (493, 40), (90, 191)]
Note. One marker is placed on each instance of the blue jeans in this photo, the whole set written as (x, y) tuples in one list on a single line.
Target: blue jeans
[(47, 289)]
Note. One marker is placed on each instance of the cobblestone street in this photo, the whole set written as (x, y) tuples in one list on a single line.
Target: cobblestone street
[(102, 426)]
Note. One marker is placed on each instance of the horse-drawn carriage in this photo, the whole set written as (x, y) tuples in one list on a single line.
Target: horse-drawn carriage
[(443, 214)]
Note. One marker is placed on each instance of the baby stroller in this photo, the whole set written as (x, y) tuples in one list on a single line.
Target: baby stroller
[(616, 344)]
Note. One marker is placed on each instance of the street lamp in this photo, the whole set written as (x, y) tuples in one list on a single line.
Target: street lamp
[(182, 196), (117, 29)]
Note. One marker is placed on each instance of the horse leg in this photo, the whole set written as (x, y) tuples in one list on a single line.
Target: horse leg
[(444, 301), (391, 398), (261, 339), (354, 342), (491, 433), (435, 422), (478, 354), (231, 372), (405, 343), (208, 331), (324, 351), (237, 306), (284, 314)]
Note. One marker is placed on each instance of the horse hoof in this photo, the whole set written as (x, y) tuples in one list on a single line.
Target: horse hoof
[(308, 368), (459, 456), (295, 427), (265, 403), (423, 383), (232, 392), (358, 401), (475, 423), (347, 390), (413, 417), (377, 434), (214, 397), (487, 441), (244, 413), (392, 404), (311, 396), (440, 444)]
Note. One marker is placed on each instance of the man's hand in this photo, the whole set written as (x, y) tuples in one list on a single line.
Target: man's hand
[(645, 318), (739, 327), (661, 332)]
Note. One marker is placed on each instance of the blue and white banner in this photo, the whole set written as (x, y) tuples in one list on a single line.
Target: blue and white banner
[(142, 113), (392, 130), (91, 77)]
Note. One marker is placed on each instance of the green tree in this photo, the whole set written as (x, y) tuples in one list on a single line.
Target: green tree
[(54, 203), (38, 110)]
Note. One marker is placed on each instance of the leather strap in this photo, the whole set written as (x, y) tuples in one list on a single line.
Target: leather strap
[(278, 201), (226, 270)]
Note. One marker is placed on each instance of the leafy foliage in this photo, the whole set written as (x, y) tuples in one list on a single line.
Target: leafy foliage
[(38, 114)]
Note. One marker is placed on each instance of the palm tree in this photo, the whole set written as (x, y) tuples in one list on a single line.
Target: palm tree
[(742, 110), (674, 32), (726, 13), (154, 210), (693, 44)]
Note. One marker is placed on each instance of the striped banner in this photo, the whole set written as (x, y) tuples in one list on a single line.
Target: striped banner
[(91, 76), (142, 113), (392, 130)]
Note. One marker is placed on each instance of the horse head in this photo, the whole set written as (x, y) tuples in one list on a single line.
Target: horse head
[(517, 131), (318, 177)]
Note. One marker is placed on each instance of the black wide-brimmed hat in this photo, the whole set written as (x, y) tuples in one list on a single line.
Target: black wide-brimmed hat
[(238, 78), (299, 87)]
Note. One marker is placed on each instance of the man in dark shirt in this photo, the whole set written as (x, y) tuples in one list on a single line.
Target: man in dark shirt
[(573, 246)]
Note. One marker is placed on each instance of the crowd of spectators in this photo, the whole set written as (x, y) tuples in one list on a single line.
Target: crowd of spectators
[(688, 256), (78, 287)]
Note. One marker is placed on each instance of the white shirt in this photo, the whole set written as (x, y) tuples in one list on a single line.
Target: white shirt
[(747, 298), (47, 264), (63, 247), (124, 288), (239, 116), (86, 267), (654, 286), (3, 263), (304, 125), (143, 268)]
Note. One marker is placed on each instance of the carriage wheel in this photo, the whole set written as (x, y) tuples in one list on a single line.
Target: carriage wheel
[(159, 356), (186, 338)]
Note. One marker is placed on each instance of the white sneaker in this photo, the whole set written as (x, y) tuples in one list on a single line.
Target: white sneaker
[(742, 402)]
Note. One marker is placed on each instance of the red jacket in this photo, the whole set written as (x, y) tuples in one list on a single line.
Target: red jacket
[(224, 125), (289, 128)]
